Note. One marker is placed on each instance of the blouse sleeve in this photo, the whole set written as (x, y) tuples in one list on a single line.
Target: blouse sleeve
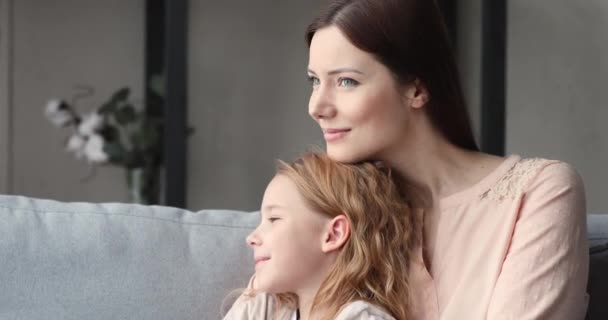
[(250, 307), (544, 275)]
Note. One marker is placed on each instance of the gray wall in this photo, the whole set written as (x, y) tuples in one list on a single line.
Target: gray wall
[(55, 45), (468, 54), (557, 84), (4, 94), (248, 93), (248, 97)]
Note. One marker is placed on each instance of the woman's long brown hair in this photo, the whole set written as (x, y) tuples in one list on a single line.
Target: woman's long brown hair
[(410, 38)]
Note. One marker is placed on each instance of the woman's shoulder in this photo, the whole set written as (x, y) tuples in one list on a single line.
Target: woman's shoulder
[(528, 174), (363, 310)]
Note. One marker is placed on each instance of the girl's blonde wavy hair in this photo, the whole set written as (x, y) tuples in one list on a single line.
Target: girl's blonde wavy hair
[(373, 264)]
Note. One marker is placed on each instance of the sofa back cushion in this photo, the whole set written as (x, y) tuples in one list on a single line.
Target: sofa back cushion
[(124, 261), (118, 261), (597, 229), (597, 287)]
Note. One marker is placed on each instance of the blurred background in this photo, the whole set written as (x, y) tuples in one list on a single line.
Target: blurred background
[(234, 72)]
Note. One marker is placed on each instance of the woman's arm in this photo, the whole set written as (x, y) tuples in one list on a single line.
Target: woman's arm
[(250, 308), (544, 275)]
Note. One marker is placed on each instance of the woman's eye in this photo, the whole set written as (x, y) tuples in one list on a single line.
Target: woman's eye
[(272, 219), (314, 81), (347, 82)]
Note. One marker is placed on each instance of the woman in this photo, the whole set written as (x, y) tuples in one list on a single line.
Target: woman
[(503, 238)]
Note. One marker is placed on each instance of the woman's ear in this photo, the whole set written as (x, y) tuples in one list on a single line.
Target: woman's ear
[(336, 235), (416, 94)]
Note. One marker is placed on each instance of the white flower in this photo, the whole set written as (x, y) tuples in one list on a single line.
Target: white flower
[(93, 150), (90, 124), (57, 112), (76, 145)]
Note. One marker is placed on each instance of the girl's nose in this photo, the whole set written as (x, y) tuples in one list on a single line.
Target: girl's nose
[(253, 239)]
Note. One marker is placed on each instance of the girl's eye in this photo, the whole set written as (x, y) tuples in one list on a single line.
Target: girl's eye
[(272, 220), (314, 81), (347, 82)]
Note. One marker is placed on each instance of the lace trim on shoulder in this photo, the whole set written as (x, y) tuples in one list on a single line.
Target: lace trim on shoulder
[(512, 183)]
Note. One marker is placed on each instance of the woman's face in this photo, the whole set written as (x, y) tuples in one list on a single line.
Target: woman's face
[(355, 99)]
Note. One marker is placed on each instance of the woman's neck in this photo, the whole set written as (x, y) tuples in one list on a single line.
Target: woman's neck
[(438, 167)]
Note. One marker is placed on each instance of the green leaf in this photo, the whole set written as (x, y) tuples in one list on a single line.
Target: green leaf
[(137, 138), (115, 151), (117, 99), (121, 95), (110, 133), (150, 136), (108, 108), (133, 159), (125, 115), (157, 84), (154, 105)]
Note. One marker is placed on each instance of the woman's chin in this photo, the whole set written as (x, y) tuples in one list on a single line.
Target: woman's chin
[(346, 156)]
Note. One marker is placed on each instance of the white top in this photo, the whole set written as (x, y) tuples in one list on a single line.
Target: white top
[(364, 311), (358, 310)]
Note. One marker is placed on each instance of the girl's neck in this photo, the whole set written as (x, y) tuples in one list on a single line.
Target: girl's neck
[(306, 294), (306, 314), (305, 301)]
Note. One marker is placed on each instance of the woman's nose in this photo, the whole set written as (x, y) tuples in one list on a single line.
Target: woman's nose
[(321, 105)]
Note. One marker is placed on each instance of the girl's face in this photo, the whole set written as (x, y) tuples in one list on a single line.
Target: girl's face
[(287, 242), (355, 99)]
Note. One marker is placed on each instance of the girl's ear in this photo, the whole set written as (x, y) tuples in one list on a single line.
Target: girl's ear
[(336, 235), (416, 94)]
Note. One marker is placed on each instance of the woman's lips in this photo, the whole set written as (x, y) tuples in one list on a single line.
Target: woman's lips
[(332, 135), (260, 260)]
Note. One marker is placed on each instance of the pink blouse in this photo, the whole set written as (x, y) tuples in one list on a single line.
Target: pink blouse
[(513, 246)]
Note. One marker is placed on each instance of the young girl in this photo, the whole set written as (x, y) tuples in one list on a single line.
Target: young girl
[(334, 243)]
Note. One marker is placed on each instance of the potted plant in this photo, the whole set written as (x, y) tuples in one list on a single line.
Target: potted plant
[(119, 134)]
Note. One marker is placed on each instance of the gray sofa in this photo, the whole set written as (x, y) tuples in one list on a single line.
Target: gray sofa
[(124, 261)]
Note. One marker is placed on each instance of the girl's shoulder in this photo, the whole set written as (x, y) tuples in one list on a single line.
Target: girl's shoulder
[(364, 311)]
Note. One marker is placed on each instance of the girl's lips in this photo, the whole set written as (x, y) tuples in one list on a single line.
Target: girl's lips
[(332, 135)]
